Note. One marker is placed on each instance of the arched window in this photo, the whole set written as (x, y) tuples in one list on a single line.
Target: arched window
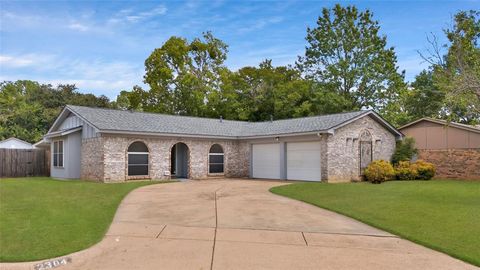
[(215, 159), (365, 136), (137, 159)]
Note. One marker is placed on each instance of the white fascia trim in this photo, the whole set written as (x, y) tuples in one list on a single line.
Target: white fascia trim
[(62, 133), (76, 114), (58, 119), (86, 121)]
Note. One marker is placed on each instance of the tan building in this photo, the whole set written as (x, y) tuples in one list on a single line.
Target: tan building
[(454, 148)]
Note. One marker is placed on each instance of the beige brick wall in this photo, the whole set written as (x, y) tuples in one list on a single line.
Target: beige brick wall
[(343, 149), (105, 158), (112, 150), (92, 159)]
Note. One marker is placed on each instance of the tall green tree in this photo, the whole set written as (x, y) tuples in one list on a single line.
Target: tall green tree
[(265, 92), (424, 98), (458, 74), (182, 74), (347, 54), (28, 108)]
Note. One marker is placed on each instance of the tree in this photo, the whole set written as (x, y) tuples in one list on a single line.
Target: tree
[(346, 54), (459, 77), (404, 151), (424, 99), (265, 92), (19, 117), (28, 109), (181, 75), (136, 99), (457, 72)]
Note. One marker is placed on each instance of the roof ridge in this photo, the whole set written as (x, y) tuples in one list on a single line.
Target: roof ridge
[(14, 138), (450, 122), (155, 113), (312, 116), (443, 122)]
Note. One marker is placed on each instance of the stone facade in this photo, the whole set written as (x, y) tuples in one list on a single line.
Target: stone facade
[(92, 159), (105, 158), (454, 163), (343, 150)]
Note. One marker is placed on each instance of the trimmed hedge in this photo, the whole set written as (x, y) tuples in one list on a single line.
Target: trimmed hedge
[(379, 171), (426, 170), (419, 170), (406, 171)]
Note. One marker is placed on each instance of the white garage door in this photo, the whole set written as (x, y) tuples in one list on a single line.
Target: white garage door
[(303, 161), (266, 161)]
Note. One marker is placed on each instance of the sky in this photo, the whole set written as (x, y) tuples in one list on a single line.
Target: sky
[(101, 46)]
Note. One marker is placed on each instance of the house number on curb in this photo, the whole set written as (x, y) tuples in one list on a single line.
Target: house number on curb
[(52, 263)]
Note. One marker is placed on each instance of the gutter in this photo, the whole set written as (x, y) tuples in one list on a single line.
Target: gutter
[(155, 134)]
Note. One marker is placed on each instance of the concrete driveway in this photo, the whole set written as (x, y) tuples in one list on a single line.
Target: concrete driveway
[(239, 224)]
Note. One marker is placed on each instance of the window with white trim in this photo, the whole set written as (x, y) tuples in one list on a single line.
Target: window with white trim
[(58, 154), (137, 159), (215, 159)]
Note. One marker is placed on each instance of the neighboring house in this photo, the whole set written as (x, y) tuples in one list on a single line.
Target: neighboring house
[(114, 145), (14, 143), (454, 148)]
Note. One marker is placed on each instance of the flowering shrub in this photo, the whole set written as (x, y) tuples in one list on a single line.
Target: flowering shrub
[(379, 171), (426, 170), (406, 171)]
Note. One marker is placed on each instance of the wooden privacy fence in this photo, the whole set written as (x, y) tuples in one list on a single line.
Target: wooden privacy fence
[(23, 162)]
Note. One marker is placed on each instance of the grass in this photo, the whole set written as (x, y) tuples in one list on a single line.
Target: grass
[(43, 218), (441, 214)]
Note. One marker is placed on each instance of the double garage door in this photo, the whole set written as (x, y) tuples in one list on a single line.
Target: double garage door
[(301, 161)]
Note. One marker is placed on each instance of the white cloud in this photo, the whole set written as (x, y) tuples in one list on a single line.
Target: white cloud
[(10, 61), (78, 26), (26, 60), (92, 75), (160, 10), (261, 23), (129, 15)]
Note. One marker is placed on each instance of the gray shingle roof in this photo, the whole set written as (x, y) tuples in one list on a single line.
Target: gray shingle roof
[(118, 120)]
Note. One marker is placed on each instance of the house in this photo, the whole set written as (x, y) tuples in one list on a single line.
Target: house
[(454, 148), (14, 143), (115, 145)]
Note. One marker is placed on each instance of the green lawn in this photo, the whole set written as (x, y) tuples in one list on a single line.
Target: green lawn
[(43, 218), (440, 214)]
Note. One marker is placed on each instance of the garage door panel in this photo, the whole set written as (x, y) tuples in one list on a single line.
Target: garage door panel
[(303, 161), (266, 161)]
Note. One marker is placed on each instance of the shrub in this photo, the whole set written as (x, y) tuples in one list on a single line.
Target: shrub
[(405, 150), (379, 171), (405, 170), (426, 170)]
